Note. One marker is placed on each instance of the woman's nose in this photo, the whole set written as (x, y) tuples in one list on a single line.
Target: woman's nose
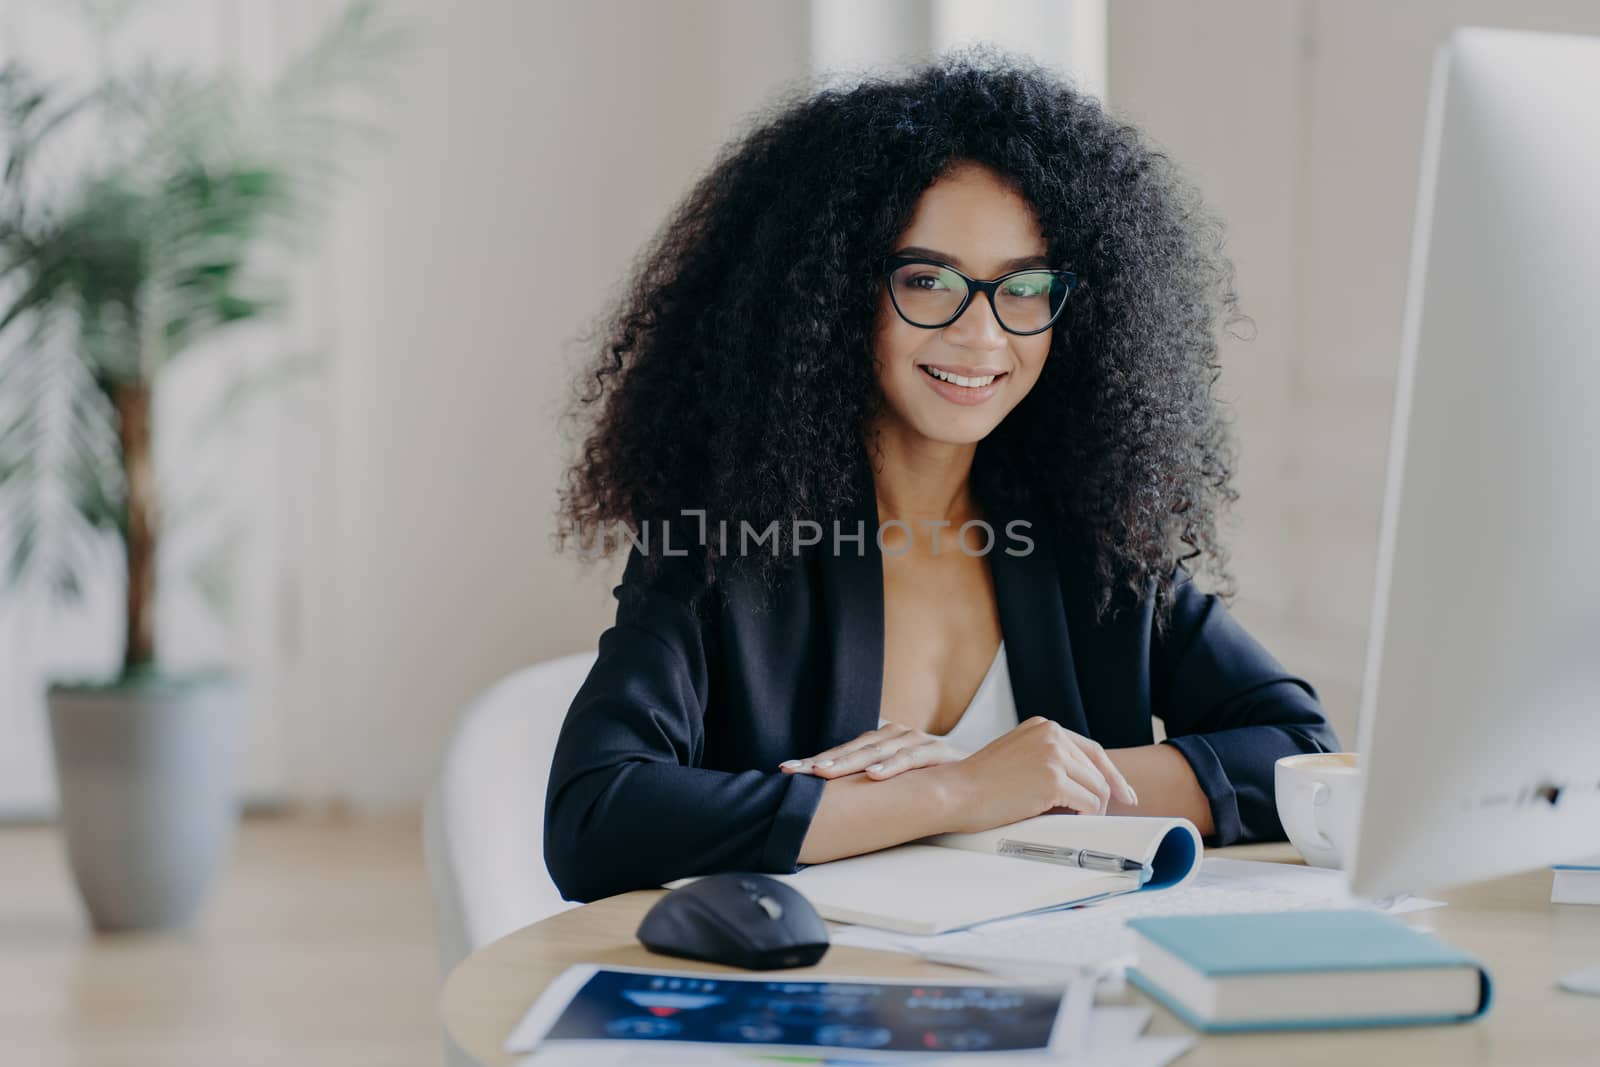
[(977, 327)]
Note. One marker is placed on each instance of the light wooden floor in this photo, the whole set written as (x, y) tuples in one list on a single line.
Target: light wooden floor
[(315, 949)]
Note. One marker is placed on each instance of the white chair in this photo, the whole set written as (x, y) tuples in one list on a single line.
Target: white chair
[(483, 823)]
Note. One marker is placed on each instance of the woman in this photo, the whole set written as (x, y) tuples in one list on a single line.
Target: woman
[(908, 418)]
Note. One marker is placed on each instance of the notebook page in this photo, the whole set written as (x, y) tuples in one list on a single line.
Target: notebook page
[(1095, 936), (923, 889), (1137, 837)]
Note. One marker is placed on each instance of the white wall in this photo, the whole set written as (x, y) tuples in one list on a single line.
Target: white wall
[(539, 143), (251, 465), (1069, 36), (1302, 121), (537, 148)]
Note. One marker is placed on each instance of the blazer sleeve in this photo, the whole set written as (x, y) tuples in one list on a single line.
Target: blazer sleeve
[(628, 805), (1232, 711)]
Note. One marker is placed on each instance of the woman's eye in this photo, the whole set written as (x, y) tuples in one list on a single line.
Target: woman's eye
[(1024, 287), (928, 281)]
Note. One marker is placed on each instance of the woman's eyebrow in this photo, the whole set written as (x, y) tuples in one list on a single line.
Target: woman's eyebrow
[(918, 252)]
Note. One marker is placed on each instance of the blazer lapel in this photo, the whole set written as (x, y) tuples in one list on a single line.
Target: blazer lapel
[(1033, 622), (851, 581)]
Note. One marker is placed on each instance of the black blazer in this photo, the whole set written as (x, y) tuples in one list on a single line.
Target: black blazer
[(667, 763)]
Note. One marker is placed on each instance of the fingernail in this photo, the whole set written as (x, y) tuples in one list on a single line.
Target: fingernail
[(790, 763), (825, 763), (875, 768), (1133, 798)]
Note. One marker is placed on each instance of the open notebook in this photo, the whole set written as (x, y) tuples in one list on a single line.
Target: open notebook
[(954, 881)]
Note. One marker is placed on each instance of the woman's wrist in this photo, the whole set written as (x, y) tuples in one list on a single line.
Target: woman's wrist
[(952, 795), (1166, 785), (857, 814)]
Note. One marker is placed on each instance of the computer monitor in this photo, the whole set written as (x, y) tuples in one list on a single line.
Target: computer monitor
[(1480, 708)]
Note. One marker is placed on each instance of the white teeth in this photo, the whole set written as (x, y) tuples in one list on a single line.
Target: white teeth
[(956, 379)]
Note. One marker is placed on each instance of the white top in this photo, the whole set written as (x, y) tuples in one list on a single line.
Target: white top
[(991, 712)]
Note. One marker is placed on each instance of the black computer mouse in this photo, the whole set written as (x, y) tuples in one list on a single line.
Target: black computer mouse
[(742, 920)]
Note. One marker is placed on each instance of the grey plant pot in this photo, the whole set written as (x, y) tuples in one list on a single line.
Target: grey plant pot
[(146, 775)]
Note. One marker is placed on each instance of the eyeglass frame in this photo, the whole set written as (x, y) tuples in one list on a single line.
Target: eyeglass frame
[(974, 286)]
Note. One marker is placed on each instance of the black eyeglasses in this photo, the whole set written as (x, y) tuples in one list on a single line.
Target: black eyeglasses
[(932, 295)]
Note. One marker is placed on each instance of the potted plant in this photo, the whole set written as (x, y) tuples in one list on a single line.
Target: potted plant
[(185, 193)]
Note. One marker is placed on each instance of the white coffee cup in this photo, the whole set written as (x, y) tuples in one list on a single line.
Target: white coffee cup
[(1319, 795)]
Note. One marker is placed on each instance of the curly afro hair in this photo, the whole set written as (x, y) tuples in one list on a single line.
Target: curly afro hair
[(735, 374)]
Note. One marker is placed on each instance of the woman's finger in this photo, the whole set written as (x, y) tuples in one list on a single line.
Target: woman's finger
[(1120, 789), (1076, 796), (861, 757), (830, 756), (1083, 771), (844, 759), (1067, 752), (907, 759)]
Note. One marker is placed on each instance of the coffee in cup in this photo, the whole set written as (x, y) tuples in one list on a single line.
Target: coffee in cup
[(1319, 797)]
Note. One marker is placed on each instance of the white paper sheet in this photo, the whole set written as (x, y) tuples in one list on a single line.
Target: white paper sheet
[(1094, 939), (1074, 1030), (1139, 1052), (976, 883), (1142, 1052), (1114, 1041)]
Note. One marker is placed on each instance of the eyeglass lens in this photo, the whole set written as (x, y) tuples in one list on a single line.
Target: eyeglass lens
[(928, 295)]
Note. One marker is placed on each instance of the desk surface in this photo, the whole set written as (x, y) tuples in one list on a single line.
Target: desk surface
[(1509, 923)]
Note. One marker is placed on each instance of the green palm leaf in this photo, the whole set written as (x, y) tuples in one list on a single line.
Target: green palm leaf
[(173, 232)]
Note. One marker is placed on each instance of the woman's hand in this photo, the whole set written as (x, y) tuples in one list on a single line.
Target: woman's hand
[(1036, 768), (881, 753)]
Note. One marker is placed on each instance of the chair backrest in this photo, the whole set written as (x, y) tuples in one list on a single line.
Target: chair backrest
[(483, 826)]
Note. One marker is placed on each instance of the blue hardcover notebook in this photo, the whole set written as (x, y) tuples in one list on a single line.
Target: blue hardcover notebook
[(1304, 969), (1575, 883)]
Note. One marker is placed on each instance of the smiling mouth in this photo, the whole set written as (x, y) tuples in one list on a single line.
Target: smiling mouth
[(977, 382)]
